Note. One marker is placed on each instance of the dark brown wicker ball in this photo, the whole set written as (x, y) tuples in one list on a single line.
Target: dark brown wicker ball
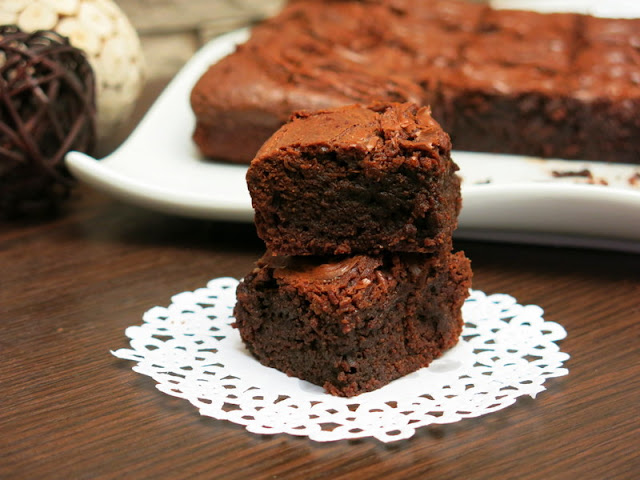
[(47, 108)]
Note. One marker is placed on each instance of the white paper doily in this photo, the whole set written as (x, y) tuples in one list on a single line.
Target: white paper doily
[(190, 349)]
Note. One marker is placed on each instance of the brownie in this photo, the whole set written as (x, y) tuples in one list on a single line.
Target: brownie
[(606, 83), (497, 80), (506, 84), (356, 179), (352, 324), (596, 31)]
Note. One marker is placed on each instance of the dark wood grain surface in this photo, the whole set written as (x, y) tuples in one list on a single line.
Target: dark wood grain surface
[(68, 409)]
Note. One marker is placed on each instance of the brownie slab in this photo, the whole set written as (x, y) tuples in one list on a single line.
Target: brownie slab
[(356, 180), (552, 85), (352, 324)]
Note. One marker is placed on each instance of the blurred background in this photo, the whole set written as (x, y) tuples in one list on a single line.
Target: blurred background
[(172, 30)]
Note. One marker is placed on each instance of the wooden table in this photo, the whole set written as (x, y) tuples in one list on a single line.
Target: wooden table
[(69, 287)]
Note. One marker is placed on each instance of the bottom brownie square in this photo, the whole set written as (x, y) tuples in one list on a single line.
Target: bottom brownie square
[(352, 324)]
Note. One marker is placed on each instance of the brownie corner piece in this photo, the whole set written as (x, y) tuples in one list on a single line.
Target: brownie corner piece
[(352, 324), (356, 179)]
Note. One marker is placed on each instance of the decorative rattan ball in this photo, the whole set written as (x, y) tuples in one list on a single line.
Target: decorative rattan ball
[(101, 29), (47, 107)]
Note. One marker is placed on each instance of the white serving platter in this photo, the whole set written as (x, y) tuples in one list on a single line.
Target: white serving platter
[(511, 198)]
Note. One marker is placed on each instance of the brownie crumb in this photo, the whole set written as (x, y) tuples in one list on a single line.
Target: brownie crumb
[(579, 173)]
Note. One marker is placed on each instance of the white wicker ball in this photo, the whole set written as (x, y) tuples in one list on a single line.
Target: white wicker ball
[(104, 33)]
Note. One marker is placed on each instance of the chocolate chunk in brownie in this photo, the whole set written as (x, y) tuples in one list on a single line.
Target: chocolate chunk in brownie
[(352, 324), (356, 179)]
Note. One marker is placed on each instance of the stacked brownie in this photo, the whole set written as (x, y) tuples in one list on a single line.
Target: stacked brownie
[(552, 85), (359, 285)]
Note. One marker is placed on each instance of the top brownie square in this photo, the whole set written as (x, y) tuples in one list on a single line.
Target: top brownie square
[(356, 179)]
